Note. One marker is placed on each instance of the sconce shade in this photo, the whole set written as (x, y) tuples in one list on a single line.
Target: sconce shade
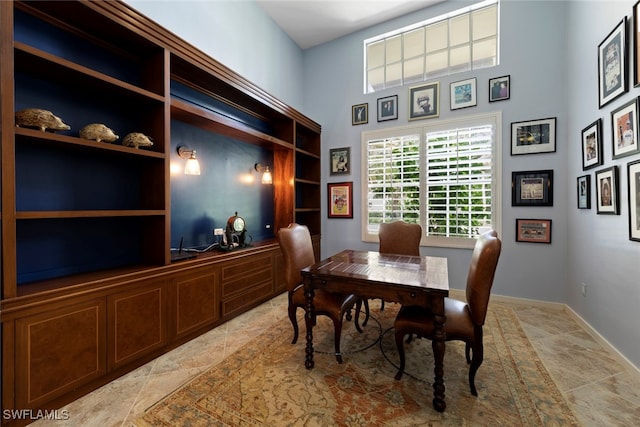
[(192, 166), (266, 174)]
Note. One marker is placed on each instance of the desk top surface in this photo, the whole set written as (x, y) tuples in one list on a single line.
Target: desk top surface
[(416, 271)]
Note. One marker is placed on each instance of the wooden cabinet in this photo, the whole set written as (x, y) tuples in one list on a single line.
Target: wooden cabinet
[(88, 288), (58, 351)]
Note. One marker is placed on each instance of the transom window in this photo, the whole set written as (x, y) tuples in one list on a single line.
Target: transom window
[(445, 177), (464, 40)]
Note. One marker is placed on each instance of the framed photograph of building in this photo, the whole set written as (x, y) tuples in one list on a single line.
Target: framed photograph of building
[(533, 230), (624, 130), (612, 64), (499, 88), (633, 175), (360, 114), (424, 101), (463, 94), (592, 155), (340, 161), (607, 191), (533, 136), (388, 108), (583, 190), (532, 188), (340, 203)]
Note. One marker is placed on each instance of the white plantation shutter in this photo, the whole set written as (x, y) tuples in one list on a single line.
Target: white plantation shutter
[(444, 176)]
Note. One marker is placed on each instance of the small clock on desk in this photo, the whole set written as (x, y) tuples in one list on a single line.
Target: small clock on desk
[(236, 231)]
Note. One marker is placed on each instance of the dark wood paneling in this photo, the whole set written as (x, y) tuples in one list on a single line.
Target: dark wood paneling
[(59, 351), (137, 323), (197, 301)]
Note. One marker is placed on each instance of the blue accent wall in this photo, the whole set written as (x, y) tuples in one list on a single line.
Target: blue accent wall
[(227, 184)]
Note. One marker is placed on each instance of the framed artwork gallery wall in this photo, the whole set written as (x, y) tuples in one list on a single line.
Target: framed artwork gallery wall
[(89, 266)]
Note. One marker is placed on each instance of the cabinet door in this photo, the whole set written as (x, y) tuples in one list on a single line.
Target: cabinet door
[(196, 300), (137, 322), (59, 351)]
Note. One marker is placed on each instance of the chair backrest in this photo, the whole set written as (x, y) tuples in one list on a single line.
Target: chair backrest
[(400, 238), (297, 249), (481, 272)]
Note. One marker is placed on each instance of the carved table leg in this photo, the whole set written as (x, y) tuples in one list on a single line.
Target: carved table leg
[(438, 345), (308, 319)]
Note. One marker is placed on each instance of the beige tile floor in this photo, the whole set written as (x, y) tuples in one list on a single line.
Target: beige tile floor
[(602, 390)]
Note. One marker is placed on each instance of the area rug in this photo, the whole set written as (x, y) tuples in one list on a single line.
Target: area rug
[(265, 383)]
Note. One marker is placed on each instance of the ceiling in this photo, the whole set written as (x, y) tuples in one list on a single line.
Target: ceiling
[(312, 22)]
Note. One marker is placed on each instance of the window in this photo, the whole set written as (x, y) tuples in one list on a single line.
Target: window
[(464, 40), (444, 176)]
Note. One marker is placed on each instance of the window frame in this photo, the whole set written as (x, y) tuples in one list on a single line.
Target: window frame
[(421, 129), (427, 56)]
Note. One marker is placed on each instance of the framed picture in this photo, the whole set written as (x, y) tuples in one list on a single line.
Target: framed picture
[(624, 130), (340, 203), (633, 170), (612, 64), (592, 155), (499, 88), (388, 108), (636, 40), (340, 161), (463, 94), (533, 230), (359, 114), (532, 188), (424, 101), (533, 136), (607, 191), (584, 192)]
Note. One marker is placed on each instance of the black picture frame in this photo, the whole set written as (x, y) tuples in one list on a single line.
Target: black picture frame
[(592, 154), (388, 108), (633, 192), (612, 64), (532, 188), (420, 97), (340, 161), (497, 88), (533, 136), (463, 94), (636, 40), (624, 130), (533, 230), (359, 114), (583, 192), (607, 192)]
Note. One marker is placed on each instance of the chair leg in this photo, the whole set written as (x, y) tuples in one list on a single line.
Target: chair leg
[(476, 361), (337, 326), (294, 322), (400, 347), (359, 304), (467, 352), (381, 305)]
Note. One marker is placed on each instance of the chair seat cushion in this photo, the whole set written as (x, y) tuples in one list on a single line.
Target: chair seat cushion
[(325, 302), (458, 324)]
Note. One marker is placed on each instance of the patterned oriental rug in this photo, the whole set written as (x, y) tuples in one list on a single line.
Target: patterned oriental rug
[(266, 384)]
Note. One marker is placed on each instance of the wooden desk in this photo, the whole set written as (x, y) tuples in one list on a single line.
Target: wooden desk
[(408, 280)]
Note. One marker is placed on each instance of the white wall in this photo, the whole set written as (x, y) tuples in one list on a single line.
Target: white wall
[(550, 51), (601, 254), (238, 34), (533, 53)]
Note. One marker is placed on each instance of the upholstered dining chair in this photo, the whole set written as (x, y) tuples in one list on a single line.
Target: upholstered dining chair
[(400, 238), (297, 249), (464, 321)]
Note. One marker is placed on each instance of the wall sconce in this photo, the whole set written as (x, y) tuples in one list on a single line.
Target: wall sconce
[(192, 167), (266, 174)]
